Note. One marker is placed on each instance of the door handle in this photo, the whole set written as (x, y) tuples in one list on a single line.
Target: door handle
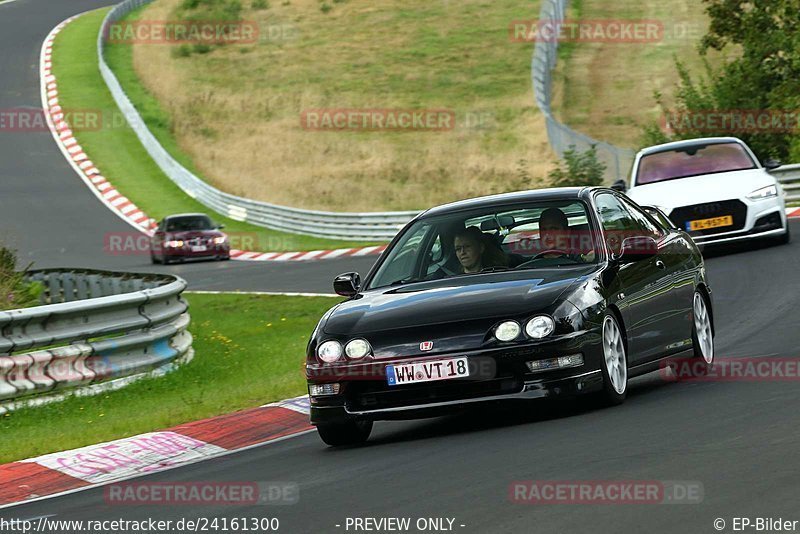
[(660, 264)]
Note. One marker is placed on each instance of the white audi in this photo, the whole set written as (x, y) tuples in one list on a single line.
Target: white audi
[(713, 188)]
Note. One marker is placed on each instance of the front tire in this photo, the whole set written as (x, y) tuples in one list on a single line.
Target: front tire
[(615, 362), (702, 331), (347, 433)]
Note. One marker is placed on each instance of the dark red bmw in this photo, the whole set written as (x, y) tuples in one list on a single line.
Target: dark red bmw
[(188, 236)]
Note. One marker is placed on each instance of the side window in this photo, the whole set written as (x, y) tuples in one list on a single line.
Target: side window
[(643, 222), (617, 221)]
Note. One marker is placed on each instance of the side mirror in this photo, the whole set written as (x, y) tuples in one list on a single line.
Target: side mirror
[(220, 226), (620, 186), (772, 164), (347, 284), (637, 248)]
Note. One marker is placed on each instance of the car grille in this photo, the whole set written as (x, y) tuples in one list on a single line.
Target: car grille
[(366, 396), (735, 208)]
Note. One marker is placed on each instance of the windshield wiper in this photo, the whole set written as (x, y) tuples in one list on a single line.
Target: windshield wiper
[(495, 269), (401, 282)]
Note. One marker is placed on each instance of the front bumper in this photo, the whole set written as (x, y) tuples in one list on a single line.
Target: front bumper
[(502, 376), (762, 219)]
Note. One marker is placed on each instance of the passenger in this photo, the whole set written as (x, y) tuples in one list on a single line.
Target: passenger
[(475, 252)]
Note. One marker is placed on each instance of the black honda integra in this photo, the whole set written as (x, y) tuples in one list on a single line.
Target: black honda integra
[(544, 293)]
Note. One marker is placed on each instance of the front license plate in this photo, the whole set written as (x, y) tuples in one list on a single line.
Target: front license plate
[(410, 373), (706, 224), (199, 248)]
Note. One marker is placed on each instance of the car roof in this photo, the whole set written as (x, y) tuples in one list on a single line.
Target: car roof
[(554, 193), (689, 142), (179, 215)]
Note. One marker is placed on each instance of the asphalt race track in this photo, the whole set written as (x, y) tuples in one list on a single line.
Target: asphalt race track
[(51, 217), (739, 440)]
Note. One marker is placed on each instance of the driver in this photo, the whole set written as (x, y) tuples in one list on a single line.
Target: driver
[(556, 239), (474, 252)]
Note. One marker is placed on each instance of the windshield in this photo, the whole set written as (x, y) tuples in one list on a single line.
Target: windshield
[(530, 236), (693, 161), (188, 224)]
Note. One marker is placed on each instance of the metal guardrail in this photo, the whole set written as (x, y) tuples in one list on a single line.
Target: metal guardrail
[(378, 226), (92, 326), (545, 56), (789, 177)]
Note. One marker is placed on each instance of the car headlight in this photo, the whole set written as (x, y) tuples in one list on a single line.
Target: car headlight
[(764, 193), (357, 349), (176, 243), (540, 326), (507, 330), (220, 240), (330, 351)]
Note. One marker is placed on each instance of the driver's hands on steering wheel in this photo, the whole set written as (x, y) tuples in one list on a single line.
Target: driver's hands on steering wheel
[(551, 253)]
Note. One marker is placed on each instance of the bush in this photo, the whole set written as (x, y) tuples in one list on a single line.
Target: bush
[(260, 4), (325, 7), (582, 169), (15, 292)]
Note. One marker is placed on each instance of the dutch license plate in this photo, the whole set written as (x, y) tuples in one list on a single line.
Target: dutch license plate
[(706, 224), (410, 373), (199, 248)]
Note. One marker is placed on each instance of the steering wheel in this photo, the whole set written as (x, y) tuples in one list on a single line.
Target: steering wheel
[(551, 251)]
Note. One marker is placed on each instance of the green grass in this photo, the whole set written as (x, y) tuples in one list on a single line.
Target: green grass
[(117, 151), (249, 351), (606, 90), (244, 102)]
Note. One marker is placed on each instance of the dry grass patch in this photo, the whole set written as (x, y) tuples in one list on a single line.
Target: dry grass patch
[(606, 89), (236, 110)]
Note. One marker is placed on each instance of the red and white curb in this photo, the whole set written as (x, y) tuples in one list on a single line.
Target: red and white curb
[(123, 459), (793, 213), (111, 197)]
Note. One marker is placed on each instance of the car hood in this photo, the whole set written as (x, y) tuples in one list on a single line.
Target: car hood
[(700, 189), (191, 234), (452, 313)]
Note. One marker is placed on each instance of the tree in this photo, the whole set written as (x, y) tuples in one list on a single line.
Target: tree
[(763, 76)]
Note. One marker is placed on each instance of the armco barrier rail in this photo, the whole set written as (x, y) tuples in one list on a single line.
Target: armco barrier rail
[(545, 55), (92, 326), (352, 226), (789, 177)]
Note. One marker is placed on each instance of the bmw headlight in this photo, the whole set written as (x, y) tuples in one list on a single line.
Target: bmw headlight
[(507, 331), (357, 349), (765, 192), (220, 240), (330, 351), (540, 326)]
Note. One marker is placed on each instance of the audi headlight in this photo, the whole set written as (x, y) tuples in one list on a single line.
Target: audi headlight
[(540, 326), (765, 192), (330, 351), (357, 349), (507, 331)]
